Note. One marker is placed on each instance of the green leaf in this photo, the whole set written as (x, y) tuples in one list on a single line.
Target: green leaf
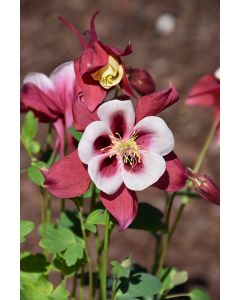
[(139, 285), (76, 134), (34, 263), (60, 264), (70, 220), (97, 217), (34, 287), (57, 240), (60, 293), (198, 294), (90, 227), (34, 147), (148, 218), (35, 175), (171, 277), (74, 252), (48, 226), (25, 228), (30, 125)]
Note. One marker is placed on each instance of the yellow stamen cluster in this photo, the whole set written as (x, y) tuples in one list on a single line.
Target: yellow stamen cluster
[(128, 149), (109, 75)]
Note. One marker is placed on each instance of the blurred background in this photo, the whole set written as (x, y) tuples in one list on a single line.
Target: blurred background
[(176, 41)]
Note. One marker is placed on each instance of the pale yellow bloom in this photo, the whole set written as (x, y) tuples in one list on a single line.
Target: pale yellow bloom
[(109, 75)]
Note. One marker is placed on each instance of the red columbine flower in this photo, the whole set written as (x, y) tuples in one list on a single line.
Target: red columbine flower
[(126, 151), (50, 98), (141, 81), (99, 68), (206, 93), (205, 187)]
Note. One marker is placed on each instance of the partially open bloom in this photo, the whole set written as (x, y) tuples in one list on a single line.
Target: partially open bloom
[(206, 93), (141, 81), (205, 187), (51, 98), (126, 151), (99, 68)]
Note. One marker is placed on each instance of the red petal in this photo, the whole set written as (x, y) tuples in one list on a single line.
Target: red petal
[(125, 85), (116, 51), (68, 177), (174, 178), (88, 89), (122, 205), (153, 104), (82, 116), (32, 98), (205, 92), (93, 33), (141, 80)]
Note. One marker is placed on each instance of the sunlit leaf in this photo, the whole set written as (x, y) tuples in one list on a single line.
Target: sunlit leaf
[(25, 228)]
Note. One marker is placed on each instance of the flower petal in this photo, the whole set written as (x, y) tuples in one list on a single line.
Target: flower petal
[(95, 138), (63, 79), (205, 92), (88, 89), (153, 104), (125, 84), (154, 135), (82, 116), (145, 173), (104, 172), (119, 115), (116, 51), (68, 177), (122, 205), (174, 178), (141, 80), (60, 142), (32, 98)]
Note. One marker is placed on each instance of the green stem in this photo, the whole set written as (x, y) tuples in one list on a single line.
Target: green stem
[(43, 211), (81, 295), (176, 296), (103, 279), (205, 147), (165, 237), (49, 210), (63, 205), (185, 199), (156, 255), (74, 287), (90, 273)]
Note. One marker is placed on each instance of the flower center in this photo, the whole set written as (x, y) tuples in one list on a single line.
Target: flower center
[(127, 149), (109, 75)]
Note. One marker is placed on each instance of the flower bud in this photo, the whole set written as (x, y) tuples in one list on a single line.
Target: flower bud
[(205, 187), (141, 81)]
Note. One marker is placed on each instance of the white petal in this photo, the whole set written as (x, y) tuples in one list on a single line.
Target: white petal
[(63, 77), (154, 135), (43, 82), (94, 139), (105, 173), (119, 115), (146, 173)]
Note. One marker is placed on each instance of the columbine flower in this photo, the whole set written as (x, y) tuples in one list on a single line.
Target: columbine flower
[(205, 187), (125, 151), (50, 98), (141, 81), (99, 68), (206, 93), (118, 151)]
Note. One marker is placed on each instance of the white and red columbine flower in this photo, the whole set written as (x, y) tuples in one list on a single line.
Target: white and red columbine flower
[(122, 151), (118, 151)]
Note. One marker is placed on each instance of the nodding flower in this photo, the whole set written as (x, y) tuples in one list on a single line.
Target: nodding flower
[(99, 68), (51, 99)]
